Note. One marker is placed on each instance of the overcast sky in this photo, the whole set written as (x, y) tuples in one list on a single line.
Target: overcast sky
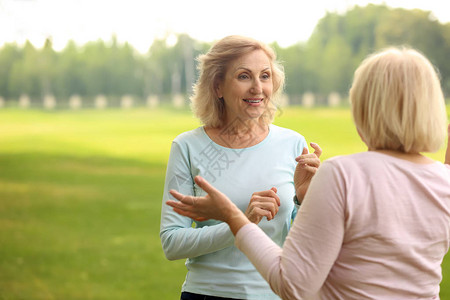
[(140, 21)]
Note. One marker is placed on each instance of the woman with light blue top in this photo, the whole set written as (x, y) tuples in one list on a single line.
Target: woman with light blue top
[(246, 157)]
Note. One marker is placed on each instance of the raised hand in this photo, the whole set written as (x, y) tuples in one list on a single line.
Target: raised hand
[(307, 165), (263, 204)]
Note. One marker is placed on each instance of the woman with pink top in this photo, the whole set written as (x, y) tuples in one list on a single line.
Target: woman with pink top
[(373, 225)]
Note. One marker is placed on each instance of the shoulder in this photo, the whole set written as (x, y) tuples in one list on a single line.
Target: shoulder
[(348, 163), (445, 169), (190, 141), (189, 136)]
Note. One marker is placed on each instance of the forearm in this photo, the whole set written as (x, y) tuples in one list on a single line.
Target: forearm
[(180, 243), (264, 254)]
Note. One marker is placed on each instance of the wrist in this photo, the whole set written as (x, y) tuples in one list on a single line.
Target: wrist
[(236, 219), (299, 195)]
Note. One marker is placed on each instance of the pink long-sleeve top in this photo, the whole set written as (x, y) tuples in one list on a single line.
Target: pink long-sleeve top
[(371, 226)]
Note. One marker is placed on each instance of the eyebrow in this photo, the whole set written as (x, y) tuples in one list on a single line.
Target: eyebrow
[(250, 71)]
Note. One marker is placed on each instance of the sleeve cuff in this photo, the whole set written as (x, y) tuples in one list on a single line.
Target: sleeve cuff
[(243, 232)]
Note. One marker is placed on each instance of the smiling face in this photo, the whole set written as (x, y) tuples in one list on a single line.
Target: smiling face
[(247, 87)]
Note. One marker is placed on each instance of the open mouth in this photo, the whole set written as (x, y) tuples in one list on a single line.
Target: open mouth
[(253, 101)]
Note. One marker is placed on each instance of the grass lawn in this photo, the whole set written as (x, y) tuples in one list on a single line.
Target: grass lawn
[(80, 198)]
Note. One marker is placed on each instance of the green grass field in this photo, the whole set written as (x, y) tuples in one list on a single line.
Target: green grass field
[(80, 198)]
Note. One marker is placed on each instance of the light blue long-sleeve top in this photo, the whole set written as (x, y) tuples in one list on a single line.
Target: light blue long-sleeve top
[(215, 266)]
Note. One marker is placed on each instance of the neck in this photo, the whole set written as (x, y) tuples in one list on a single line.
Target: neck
[(240, 127), (239, 133), (413, 157)]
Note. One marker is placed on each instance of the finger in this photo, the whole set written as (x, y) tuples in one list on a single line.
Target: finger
[(317, 149), (274, 189), (183, 198), (309, 168), (269, 195), (447, 153), (205, 185), (310, 161), (178, 205), (267, 203), (308, 155), (272, 207), (305, 150), (264, 212)]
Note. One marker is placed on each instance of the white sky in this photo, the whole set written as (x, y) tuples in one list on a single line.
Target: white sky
[(140, 21)]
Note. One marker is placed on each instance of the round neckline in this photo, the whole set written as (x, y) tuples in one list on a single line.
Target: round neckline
[(240, 149)]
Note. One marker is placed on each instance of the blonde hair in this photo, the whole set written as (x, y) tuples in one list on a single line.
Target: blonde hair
[(213, 67), (397, 102)]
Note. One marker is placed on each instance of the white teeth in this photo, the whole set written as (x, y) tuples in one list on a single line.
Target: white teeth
[(252, 101)]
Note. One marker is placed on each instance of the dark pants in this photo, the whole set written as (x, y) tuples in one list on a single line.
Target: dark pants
[(191, 296)]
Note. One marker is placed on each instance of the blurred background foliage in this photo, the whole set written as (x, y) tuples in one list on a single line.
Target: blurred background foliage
[(323, 64)]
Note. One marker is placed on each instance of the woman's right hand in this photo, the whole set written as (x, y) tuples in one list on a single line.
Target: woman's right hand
[(263, 204)]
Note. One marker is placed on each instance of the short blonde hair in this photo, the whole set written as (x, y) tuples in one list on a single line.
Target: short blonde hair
[(397, 102), (213, 67)]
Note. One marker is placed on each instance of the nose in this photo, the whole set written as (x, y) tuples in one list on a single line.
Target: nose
[(256, 86)]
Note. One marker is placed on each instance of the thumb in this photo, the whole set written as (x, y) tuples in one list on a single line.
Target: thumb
[(305, 150), (205, 185), (274, 189)]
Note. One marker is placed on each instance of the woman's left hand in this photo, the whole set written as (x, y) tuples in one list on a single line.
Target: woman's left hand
[(215, 205), (308, 163)]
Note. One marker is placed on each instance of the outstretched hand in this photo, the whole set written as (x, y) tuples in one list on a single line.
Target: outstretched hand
[(215, 205), (307, 166), (447, 153)]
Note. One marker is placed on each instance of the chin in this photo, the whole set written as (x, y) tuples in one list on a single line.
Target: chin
[(255, 116)]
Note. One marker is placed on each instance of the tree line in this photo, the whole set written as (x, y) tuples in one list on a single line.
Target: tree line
[(322, 65)]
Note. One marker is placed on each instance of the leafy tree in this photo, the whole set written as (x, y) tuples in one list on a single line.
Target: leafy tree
[(70, 71), (9, 55), (24, 76), (46, 67)]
